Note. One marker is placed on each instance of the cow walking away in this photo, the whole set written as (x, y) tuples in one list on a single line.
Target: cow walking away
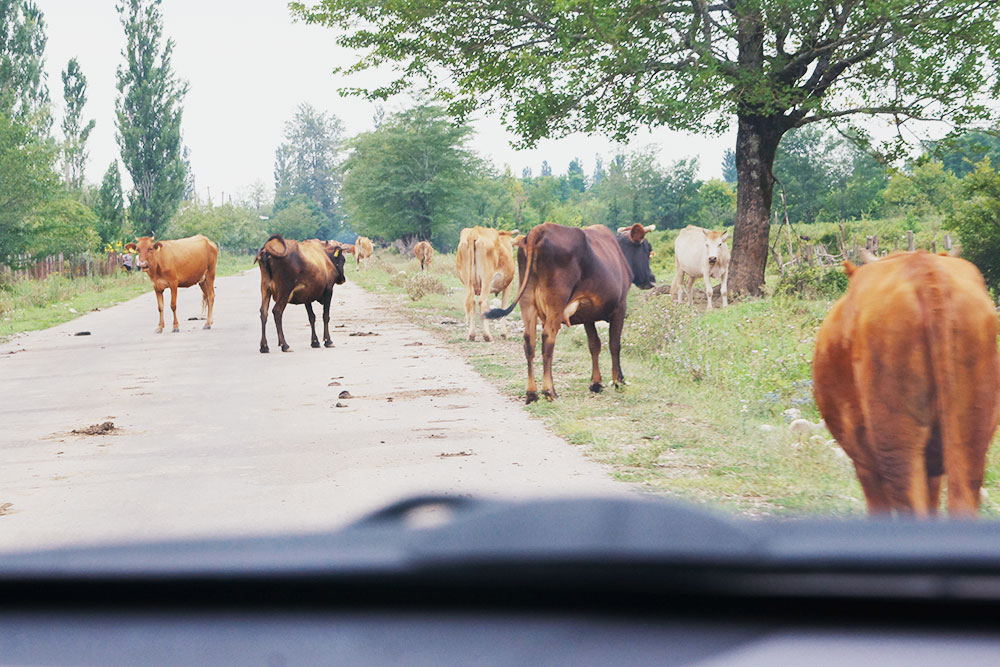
[(700, 253), (363, 249), (298, 272), (179, 263), (577, 276), (485, 265), (906, 376), (423, 251)]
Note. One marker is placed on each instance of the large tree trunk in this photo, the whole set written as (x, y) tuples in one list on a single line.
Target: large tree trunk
[(756, 144)]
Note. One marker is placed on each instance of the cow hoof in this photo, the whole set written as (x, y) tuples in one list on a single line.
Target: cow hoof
[(315, 343), (549, 395), (488, 339), (264, 349), (328, 343), (158, 330), (472, 337), (207, 326), (530, 397), (597, 387), (176, 330), (285, 348)]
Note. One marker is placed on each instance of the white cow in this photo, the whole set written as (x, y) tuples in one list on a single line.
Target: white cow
[(700, 253)]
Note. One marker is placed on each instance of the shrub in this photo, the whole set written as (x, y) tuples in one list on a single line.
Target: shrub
[(977, 220), (813, 282), (419, 285)]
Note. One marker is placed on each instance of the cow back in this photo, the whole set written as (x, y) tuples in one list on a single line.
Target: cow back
[(187, 261)]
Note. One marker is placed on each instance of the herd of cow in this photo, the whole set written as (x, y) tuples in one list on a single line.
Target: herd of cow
[(906, 369)]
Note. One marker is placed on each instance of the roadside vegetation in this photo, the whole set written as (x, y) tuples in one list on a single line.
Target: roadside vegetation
[(703, 416), (28, 305)]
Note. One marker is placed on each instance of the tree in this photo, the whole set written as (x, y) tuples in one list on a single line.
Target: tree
[(962, 152), (977, 220), (546, 169), (717, 204), (24, 91), (300, 219), (411, 177), (575, 179), (62, 225), (729, 174), (27, 180), (925, 189), (616, 66), (149, 114), (75, 131), (598, 169), (308, 164), (110, 206)]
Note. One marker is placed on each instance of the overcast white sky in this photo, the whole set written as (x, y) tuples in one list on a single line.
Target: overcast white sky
[(249, 67)]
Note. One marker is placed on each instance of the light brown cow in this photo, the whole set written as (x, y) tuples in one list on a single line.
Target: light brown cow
[(423, 251), (907, 376), (181, 263), (485, 264), (363, 249)]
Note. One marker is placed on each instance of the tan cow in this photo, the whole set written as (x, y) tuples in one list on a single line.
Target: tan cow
[(485, 265), (181, 263), (423, 251), (700, 253), (363, 249), (907, 377)]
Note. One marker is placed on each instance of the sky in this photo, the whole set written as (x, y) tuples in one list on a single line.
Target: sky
[(248, 67)]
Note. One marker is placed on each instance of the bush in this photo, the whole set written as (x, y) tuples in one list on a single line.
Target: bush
[(813, 282), (977, 220), (419, 285)]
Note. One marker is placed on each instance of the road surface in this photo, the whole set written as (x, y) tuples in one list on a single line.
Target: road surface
[(215, 439)]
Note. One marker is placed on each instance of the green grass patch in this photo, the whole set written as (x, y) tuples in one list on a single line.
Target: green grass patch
[(702, 415), (29, 305)]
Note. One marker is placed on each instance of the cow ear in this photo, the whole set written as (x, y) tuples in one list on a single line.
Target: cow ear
[(725, 235), (157, 246), (652, 253), (130, 246), (849, 269), (336, 252)]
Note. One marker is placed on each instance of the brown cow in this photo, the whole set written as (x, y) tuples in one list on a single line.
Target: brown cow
[(906, 375), (577, 276), (180, 263), (423, 251), (298, 272), (363, 249), (485, 264)]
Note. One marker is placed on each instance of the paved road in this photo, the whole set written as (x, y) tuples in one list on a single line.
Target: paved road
[(218, 439)]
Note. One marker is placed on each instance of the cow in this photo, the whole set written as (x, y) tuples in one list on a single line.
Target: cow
[(363, 249), (298, 272), (179, 263), (906, 375), (572, 276), (485, 265), (423, 251), (700, 253)]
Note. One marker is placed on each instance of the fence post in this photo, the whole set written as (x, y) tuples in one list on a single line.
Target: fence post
[(947, 242), (909, 241)]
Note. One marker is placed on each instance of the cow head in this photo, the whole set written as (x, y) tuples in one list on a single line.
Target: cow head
[(336, 254), (713, 241), (145, 246), (637, 251)]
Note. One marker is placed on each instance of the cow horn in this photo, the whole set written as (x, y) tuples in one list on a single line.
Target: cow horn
[(622, 230), (650, 228)]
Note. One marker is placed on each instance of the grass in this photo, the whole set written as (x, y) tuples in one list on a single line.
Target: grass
[(29, 305), (702, 415)]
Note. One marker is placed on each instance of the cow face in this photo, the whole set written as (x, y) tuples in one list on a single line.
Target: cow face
[(336, 254), (637, 250), (145, 246), (713, 241)]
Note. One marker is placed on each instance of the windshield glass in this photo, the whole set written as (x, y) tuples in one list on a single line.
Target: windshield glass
[(267, 268)]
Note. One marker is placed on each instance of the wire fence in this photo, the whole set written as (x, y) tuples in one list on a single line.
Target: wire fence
[(71, 266)]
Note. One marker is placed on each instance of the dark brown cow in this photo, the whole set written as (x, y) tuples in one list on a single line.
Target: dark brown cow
[(181, 263), (576, 276), (907, 377), (298, 272)]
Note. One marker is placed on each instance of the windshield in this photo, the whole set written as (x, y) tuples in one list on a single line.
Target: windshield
[(266, 269)]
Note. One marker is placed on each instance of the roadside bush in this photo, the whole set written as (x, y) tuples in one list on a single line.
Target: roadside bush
[(419, 285), (977, 220), (813, 282)]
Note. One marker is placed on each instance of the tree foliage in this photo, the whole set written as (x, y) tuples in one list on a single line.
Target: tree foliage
[(149, 114), (308, 164), (977, 220), (411, 177), (961, 152), (234, 227), (110, 206), (75, 130), (27, 180), (24, 92)]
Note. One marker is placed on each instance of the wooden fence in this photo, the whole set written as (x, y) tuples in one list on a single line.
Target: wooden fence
[(71, 266)]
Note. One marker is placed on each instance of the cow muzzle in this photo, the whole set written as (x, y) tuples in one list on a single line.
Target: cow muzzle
[(713, 260)]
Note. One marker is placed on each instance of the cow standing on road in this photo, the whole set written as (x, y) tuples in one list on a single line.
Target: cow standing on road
[(577, 276), (298, 272), (363, 249), (700, 253), (907, 377), (180, 263), (484, 261)]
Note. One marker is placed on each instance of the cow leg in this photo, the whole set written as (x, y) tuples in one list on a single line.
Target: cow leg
[(312, 323), (708, 289), (159, 305), (327, 296), (470, 310), (279, 308), (677, 286), (875, 496), (594, 343), (484, 307), (690, 290), (265, 300), (617, 323), (504, 331), (724, 287), (208, 292), (550, 329), (173, 306), (530, 318)]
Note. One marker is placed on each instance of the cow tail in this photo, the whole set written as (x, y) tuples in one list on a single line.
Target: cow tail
[(473, 274), (529, 251)]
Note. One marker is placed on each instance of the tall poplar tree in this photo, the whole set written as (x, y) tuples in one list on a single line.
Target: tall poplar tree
[(24, 91), (110, 206), (75, 131), (149, 117)]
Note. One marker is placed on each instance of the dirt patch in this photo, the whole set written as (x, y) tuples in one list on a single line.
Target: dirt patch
[(448, 455), (104, 428), (419, 393), (6, 508), (364, 333)]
